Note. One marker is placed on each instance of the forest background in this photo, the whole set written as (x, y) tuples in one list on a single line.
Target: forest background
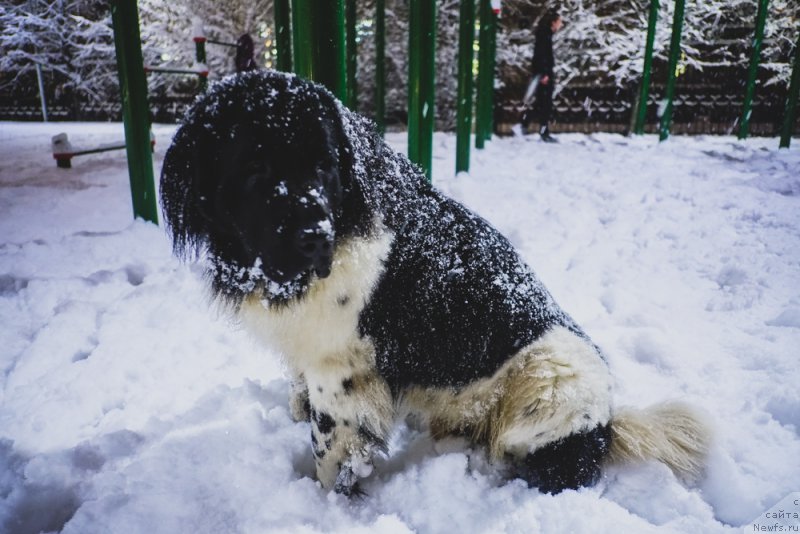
[(599, 58)]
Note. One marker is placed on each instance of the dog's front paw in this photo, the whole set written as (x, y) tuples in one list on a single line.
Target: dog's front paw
[(350, 473)]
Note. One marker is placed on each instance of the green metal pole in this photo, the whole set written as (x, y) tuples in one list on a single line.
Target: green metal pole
[(644, 92), (488, 108), (413, 79), (283, 36), (428, 85), (674, 53), (319, 43), (752, 73), (303, 42), (422, 77), (200, 56), (791, 99), (330, 59), (135, 110), (352, 54), (466, 34), (483, 73), (380, 65)]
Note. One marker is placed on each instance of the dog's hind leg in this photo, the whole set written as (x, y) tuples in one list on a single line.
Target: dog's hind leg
[(553, 418), (547, 410), (571, 462)]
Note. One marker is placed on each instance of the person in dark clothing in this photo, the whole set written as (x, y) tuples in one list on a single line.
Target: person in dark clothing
[(245, 48), (543, 73)]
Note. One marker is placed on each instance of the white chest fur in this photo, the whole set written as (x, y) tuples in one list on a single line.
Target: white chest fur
[(323, 324)]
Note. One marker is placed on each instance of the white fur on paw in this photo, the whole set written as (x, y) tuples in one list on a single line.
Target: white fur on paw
[(361, 468)]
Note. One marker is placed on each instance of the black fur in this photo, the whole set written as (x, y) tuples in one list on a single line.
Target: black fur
[(234, 177), (569, 463), (455, 301)]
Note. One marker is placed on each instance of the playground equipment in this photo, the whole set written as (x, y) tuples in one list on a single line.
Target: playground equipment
[(487, 39), (135, 111), (489, 11), (351, 54), (313, 40), (201, 70), (644, 93), (674, 53), (421, 103), (244, 53), (791, 99), (325, 53), (761, 17), (421, 82), (42, 100), (283, 35), (380, 65), (322, 50), (665, 108), (63, 151), (466, 36), (319, 43)]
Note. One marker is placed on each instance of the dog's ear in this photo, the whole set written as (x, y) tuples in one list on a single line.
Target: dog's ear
[(354, 216), (187, 190), (178, 202)]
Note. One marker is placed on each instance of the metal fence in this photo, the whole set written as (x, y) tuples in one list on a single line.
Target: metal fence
[(699, 109), (162, 110)]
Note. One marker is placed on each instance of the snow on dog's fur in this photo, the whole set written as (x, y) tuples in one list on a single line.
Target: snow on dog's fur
[(386, 298)]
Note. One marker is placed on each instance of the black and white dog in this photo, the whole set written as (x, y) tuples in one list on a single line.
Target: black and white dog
[(388, 299)]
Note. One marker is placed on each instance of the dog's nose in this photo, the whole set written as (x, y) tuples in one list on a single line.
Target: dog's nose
[(313, 242), (316, 244)]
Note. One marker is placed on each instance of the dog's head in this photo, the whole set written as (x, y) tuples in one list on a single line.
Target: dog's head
[(260, 176)]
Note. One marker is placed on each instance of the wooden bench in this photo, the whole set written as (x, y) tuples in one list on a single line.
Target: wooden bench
[(63, 151)]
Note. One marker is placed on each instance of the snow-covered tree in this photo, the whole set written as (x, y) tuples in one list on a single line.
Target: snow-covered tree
[(603, 40), (602, 44), (71, 40), (396, 60), (167, 30)]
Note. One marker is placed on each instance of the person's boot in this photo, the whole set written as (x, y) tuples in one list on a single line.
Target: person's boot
[(544, 133)]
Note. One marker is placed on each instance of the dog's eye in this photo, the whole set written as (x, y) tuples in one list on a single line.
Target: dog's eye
[(325, 174), (256, 167), (250, 182), (254, 175)]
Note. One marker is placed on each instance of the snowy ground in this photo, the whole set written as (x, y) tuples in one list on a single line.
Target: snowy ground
[(128, 406)]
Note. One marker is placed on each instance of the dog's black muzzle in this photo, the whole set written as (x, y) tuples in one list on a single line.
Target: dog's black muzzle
[(316, 244)]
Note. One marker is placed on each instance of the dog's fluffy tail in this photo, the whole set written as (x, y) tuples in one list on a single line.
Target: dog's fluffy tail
[(672, 433)]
